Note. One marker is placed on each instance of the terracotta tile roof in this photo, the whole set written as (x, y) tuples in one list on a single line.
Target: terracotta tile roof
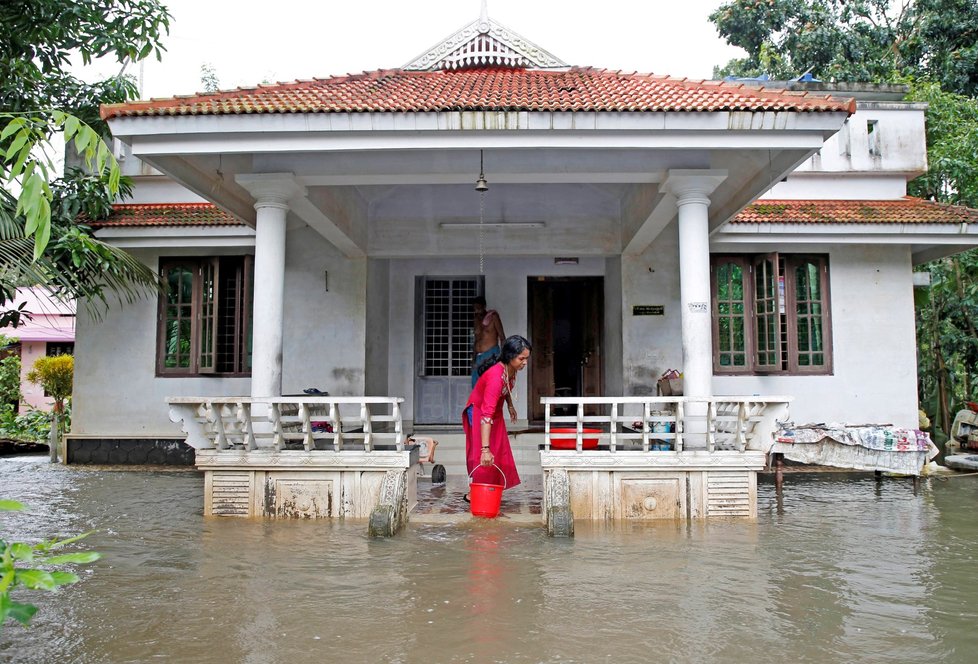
[(906, 210), (166, 214), (496, 89)]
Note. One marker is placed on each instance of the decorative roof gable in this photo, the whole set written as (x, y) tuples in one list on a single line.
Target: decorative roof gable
[(484, 43)]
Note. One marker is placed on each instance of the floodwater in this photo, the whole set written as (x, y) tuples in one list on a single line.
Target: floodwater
[(840, 569)]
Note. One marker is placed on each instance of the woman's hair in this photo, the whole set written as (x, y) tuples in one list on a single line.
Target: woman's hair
[(512, 347)]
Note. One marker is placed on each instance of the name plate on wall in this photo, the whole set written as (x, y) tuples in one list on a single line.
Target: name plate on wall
[(648, 310)]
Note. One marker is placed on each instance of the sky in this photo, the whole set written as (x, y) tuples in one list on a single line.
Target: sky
[(251, 41)]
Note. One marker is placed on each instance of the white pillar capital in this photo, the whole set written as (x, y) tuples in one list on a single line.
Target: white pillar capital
[(271, 189), (693, 186)]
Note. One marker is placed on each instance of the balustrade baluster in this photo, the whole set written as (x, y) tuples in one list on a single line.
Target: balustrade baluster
[(367, 429), (613, 442), (278, 438)]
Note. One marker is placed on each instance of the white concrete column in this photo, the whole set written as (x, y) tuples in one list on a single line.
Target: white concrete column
[(272, 194), (692, 190)]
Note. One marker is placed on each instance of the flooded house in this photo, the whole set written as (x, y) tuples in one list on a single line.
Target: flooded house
[(328, 234)]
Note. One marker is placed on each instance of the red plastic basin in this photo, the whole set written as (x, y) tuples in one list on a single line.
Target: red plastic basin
[(587, 443)]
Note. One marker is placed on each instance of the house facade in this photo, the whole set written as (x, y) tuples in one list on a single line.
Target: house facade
[(48, 329), (327, 234)]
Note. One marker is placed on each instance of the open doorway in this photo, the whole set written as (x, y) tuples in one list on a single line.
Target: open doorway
[(565, 315)]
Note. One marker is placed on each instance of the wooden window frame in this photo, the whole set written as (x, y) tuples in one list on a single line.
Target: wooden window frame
[(779, 299), (206, 273)]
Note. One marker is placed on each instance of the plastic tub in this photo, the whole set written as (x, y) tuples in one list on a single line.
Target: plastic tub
[(588, 443)]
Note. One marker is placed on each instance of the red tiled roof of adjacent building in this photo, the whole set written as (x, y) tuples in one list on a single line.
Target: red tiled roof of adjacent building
[(491, 89), (906, 210), (901, 211), (166, 214)]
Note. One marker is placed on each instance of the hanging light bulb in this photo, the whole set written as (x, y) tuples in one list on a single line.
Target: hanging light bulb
[(481, 184), (482, 187)]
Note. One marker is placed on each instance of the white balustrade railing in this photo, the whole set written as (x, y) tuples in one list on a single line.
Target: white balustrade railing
[(666, 423), (277, 423)]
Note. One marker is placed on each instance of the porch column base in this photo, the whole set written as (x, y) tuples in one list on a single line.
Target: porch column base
[(560, 517), (391, 512)]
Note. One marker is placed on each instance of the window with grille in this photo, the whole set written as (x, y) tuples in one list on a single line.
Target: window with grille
[(205, 316), (62, 348), (447, 307), (771, 314)]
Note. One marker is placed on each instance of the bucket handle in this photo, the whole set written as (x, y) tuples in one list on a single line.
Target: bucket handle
[(494, 466)]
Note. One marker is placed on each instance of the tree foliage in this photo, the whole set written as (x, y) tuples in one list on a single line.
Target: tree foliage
[(55, 374), (877, 41), (39, 97), (933, 46), (40, 39), (34, 567), (952, 146)]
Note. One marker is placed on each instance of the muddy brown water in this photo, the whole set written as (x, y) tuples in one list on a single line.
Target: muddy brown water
[(840, 569)]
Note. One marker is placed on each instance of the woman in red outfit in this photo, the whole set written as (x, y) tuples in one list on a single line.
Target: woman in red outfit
[(486, 441)]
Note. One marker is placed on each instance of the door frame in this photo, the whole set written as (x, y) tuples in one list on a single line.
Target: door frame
[(598, 283)]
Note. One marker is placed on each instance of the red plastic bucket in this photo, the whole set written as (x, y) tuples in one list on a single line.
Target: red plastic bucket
[(484, 499)]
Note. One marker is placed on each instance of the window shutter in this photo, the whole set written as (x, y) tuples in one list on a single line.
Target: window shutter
[(731, 306), (768, 306), (207, 316)]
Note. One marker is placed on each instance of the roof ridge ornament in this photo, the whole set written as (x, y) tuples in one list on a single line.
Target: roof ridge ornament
[(484, 43)]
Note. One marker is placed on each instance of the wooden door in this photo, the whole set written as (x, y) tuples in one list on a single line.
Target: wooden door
[(565, 315)]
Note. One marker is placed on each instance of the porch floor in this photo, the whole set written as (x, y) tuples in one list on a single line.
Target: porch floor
[(443, 503)]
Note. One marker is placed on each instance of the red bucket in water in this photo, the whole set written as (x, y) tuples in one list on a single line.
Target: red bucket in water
[(484, 499)]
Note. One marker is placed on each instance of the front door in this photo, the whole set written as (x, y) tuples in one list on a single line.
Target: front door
[(565, 315), (443, 347)]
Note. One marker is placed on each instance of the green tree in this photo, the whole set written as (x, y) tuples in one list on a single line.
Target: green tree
[(947, 312), (877, 41), (208, 78), (39, 96), (56, 375), (10, 393), (933, 45)]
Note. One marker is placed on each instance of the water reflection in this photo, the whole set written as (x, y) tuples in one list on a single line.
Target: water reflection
[(844, 570)]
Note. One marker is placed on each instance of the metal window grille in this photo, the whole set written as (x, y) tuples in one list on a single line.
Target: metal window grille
[(448, 326)]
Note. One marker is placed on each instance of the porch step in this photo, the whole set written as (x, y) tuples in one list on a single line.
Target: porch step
[(451, 451)]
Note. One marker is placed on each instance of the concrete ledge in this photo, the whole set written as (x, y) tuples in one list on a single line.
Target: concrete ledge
[(624, 486), (310, 484)]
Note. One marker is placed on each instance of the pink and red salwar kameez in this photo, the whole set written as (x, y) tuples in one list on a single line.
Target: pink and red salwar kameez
[(485, 404)]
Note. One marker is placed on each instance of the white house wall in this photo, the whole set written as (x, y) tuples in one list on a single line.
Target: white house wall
[(651, 344), (116, 392), (116, 387), (879, 137), (506, 291), (873, 341), (378, 327), (839, 186), (324, 337)]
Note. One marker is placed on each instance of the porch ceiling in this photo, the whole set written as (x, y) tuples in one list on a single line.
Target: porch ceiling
[(601, 198)]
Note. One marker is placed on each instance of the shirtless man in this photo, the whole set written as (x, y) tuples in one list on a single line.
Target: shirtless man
[(487, 327)]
